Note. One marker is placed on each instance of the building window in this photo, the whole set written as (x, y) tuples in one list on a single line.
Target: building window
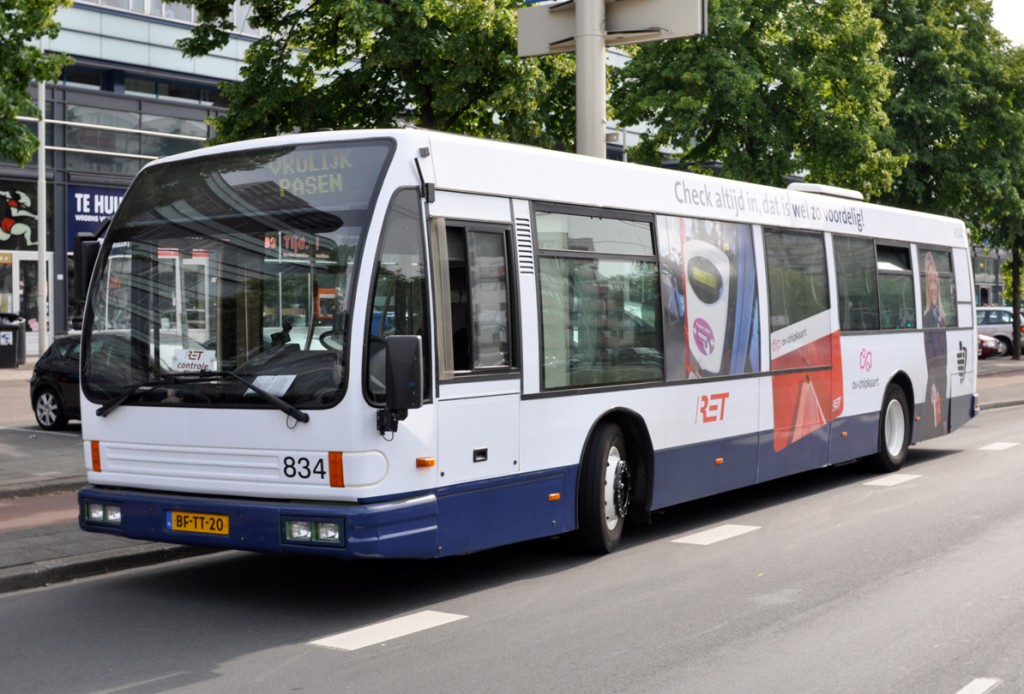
[(240, 12)]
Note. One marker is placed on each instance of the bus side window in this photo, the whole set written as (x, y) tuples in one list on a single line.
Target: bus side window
[(478, 299), (857, 281), (458, 283), (896, 288)]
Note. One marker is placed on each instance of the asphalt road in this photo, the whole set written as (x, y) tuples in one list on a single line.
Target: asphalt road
[(834, 581)]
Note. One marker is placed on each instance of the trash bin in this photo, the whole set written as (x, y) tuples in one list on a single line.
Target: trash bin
[(12, 341)]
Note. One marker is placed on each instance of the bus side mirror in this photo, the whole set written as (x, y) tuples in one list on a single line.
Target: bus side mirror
[(87, 250), (403, 380)]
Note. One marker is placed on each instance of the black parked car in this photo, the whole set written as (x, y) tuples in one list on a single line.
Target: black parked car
[(54, 384)]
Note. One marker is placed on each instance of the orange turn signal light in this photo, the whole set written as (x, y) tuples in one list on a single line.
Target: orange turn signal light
[(336, 468)]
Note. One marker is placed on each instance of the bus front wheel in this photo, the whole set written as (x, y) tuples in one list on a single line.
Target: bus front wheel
[(605, 488), (893, 430)]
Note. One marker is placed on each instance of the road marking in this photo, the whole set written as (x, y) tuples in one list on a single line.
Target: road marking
[(981, 686), (999, 446), (722, 532), (387, 631), (891, 480)]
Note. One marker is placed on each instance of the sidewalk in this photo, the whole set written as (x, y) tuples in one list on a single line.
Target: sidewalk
[(41, 543)]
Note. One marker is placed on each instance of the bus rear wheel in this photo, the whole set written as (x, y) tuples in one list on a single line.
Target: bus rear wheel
[(605, 488), (893, 430)]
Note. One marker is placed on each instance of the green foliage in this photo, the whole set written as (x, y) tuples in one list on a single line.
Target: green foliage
[(444, 64), (22, 24), (777, 87), (955, 108)]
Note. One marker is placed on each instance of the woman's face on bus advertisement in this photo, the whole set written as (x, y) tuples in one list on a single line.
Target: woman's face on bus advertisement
[(932, 280)]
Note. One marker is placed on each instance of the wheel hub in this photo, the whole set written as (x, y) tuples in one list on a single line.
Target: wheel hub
[(622, 489), (617, 489)]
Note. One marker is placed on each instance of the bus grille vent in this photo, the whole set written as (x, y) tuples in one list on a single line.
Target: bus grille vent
[(524, 246)]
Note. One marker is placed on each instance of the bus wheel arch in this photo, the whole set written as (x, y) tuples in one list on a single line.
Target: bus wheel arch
[(613, 481), (895, 424)]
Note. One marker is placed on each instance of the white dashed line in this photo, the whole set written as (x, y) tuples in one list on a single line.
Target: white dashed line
[(982, 685), (722, 532), (890, 480), (999, 446), (387, 631)]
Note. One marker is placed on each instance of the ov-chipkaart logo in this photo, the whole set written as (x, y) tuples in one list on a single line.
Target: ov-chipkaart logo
[(866, 361)]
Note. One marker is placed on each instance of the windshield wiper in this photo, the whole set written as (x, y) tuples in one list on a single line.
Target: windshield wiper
[(118, 400), (202, 376), (286, 407)]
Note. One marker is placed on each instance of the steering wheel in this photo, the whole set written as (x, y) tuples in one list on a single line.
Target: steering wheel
[(332, 340)]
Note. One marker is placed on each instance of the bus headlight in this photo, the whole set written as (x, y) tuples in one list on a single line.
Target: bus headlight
[(107, 514), (299, 530), (328, 532), (302, 530)]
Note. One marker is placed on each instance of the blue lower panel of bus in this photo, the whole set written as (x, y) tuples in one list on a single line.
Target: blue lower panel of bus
[(404, 528), (853, 437), (453, 520), (700, 470), (691, 472), (486, 514)]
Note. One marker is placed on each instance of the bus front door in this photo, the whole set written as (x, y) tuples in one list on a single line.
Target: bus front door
[(483, 496)]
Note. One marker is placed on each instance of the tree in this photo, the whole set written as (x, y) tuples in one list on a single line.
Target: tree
[(444, 64), (777, 87), (957, 113), (22, 24), (951, 107), (998, 199)]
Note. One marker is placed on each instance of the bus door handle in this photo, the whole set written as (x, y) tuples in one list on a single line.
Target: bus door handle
[(479, 455)]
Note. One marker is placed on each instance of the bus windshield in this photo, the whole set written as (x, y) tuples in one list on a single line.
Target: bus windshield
[(239, 263)]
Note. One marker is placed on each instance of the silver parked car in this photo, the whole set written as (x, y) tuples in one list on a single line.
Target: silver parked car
[(997, 321)]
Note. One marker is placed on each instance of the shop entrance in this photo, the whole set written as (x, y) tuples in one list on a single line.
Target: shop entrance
[(19, 273)]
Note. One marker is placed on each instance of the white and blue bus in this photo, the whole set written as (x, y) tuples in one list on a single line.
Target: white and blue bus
[(402, 343)]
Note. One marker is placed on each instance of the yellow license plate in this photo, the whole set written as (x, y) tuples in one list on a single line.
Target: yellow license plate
[(208, 523)]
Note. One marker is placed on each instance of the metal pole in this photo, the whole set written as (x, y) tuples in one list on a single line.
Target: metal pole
[(590, 78), (42, 304)]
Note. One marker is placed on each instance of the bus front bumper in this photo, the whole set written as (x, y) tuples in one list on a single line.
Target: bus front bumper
[(405, 528)]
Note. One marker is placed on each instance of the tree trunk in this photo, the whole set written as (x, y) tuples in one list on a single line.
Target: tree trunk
[(1015, 285)]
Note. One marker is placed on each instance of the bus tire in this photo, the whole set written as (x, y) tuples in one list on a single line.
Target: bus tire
[(894, 426), (605, 488)]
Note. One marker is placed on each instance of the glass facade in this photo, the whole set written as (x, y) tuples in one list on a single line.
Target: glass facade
[(176, 11), (98, 138)]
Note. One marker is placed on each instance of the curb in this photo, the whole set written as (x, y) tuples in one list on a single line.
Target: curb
[(1001, 404), (44, 573), (53, 485)]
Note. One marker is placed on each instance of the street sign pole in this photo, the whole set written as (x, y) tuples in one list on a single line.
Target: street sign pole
[(590, 78), (588, 27), (42, 300)]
